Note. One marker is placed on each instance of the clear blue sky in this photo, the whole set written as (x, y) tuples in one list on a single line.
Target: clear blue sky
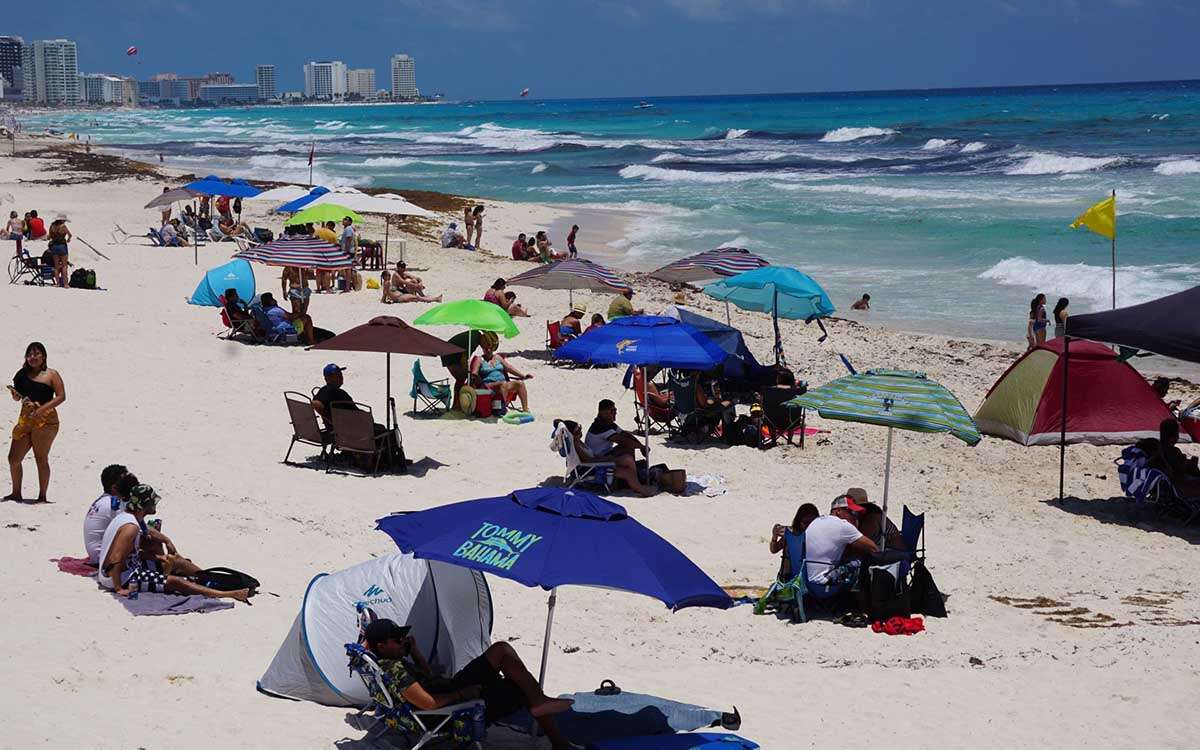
[(578, 48)]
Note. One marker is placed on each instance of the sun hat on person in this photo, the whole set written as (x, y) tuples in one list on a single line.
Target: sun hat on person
[(579, 307), (141, 496), (857, 494), (61, 217), (331, 369), (847, 502)]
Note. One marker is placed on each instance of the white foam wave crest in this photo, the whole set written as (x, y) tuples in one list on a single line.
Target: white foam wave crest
[(1093, 284), (973, 147), (331, 125), (539, 167), (842, 135), (1038, 162), (388, 161), (1178, 167), (660, 174), (937, 144), (735, 133)]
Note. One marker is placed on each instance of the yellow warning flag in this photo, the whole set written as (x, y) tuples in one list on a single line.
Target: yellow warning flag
[(1100, 218)]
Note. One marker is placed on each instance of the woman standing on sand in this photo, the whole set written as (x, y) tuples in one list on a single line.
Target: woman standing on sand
[(59, 236), (477, 215), (40, 391), (1060, 317), (1035, 329)]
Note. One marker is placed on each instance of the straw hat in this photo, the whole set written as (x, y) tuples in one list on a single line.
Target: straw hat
[(579, 307)]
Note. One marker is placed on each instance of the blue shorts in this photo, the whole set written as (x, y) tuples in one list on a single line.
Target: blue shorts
[(59, 249)]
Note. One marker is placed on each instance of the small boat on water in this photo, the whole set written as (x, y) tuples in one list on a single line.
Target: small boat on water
[(643, 105)]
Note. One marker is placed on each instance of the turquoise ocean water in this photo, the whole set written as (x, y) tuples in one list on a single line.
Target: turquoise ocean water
[(949, 207)]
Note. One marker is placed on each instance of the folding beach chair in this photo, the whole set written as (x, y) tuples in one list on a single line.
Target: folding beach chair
[(661, 419), (578, 471), (1149, 486), (461, 724), (791, 587), (912, 531), (305, 428), (554, 337), (431, 397), (264, 324), (781, 419), (689, 422), (245, 326), (23, 268), (354, 432)]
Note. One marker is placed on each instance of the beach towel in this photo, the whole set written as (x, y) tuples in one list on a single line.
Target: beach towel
[(899, 626), (170, 604), (709, 485), (697, 741), (76, 566), (595, 718)]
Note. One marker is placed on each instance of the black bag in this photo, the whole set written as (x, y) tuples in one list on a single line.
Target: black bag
[(82, 278), (264, 235), (225, 579), (888, 596), (924, 593), (237, 206)]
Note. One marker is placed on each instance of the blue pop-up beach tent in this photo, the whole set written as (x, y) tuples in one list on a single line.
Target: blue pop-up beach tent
[(741, 364), (298, 203), (236, 274)]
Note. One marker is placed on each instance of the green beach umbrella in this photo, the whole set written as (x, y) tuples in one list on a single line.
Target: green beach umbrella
[(323, 212), (470, 313), (895, 399)]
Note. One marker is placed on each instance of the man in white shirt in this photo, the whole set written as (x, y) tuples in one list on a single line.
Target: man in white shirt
[(103, 510), (604, 438), (826, 540)]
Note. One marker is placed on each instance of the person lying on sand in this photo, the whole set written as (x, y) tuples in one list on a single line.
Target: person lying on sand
[(123, 568), (401, 286), (498, 676)]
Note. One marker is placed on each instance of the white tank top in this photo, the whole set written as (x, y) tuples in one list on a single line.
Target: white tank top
[(110, 534)]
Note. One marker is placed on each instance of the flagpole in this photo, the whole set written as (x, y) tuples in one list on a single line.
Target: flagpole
[(1114, 251), (311, 152)]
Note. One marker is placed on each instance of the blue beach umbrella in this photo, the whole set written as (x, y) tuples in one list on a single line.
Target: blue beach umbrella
[(550, 537), (782, 291), (642, 340), (236, 274), (213, 185), (295, 205)]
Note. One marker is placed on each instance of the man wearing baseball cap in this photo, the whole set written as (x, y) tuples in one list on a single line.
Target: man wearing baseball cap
[(498, 676), (828, 539), (331, 395)]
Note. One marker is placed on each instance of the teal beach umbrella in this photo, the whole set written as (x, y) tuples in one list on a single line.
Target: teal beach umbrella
[(782, 291), (896, 399)]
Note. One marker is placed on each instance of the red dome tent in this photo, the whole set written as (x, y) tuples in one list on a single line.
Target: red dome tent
[(1108, 401)]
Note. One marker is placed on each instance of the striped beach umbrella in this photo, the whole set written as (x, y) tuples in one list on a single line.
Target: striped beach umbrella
[(896, 399), (710, 264), (572, 274), (299, 253)]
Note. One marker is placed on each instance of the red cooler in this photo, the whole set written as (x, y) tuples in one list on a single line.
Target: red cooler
[(483, 403)]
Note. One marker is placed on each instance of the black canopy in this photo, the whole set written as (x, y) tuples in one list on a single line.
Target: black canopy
[(1169, 326)]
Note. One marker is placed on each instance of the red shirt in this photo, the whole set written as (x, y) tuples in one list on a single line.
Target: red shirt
[(518, 250), (37, 227), (223, 204)]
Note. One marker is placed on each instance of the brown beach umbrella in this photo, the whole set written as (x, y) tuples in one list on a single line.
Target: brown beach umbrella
[(389, 335)]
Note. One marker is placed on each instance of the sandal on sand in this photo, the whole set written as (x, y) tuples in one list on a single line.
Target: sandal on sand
[(855, 620)]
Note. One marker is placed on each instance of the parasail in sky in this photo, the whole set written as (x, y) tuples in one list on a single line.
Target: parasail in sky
[(131, 51)]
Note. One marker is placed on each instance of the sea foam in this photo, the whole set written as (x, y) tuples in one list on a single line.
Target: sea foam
[(973, 147), (1093, 284), (937, 144), (661, 174), (841, 135), (1181, 166), (1038, 162)]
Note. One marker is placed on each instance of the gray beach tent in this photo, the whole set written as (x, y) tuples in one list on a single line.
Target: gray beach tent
[(449, 608)]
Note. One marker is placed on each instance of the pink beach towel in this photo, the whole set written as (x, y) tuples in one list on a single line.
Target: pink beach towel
[(76, 566)]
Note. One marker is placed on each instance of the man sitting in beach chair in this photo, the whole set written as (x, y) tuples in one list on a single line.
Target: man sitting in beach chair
[(1183, 471), (605, 440), (497, 676)]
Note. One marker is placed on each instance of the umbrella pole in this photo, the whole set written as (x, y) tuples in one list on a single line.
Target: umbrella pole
[(728, 321), (546, 646), (775, 322), (388, 403), (196, 236), (887, 476), (646, 412), (1062, 427)]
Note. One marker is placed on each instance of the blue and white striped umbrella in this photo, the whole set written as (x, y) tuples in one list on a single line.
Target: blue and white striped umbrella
[(573, 274)]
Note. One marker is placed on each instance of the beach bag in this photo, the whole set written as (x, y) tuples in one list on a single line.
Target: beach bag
[(888, 592), (264, 235), (237, 206), (924, 594), (673, 481), (225, 579), (82, 278)]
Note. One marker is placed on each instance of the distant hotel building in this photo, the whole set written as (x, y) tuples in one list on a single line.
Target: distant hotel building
[(229, 93), (325, 80), (101, 88), (10, 66), (50, 69), (360, 81), (264, 75), (404, 77)]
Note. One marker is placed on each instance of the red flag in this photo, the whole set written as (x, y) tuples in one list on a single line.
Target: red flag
[(311, 151)]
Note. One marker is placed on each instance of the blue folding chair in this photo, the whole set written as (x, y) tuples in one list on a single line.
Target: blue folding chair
[(912, 531), (790, 588), (429, 396)]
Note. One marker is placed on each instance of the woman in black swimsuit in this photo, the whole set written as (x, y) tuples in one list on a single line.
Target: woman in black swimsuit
[(40, 390)]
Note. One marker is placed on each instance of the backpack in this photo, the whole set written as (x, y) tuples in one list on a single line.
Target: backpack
[(889, 594), (225, 579), (82, 278)]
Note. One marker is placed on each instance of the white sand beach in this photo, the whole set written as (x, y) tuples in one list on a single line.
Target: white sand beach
[(1107, 655)]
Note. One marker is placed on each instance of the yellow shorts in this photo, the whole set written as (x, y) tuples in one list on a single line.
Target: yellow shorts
[(27, 424)]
